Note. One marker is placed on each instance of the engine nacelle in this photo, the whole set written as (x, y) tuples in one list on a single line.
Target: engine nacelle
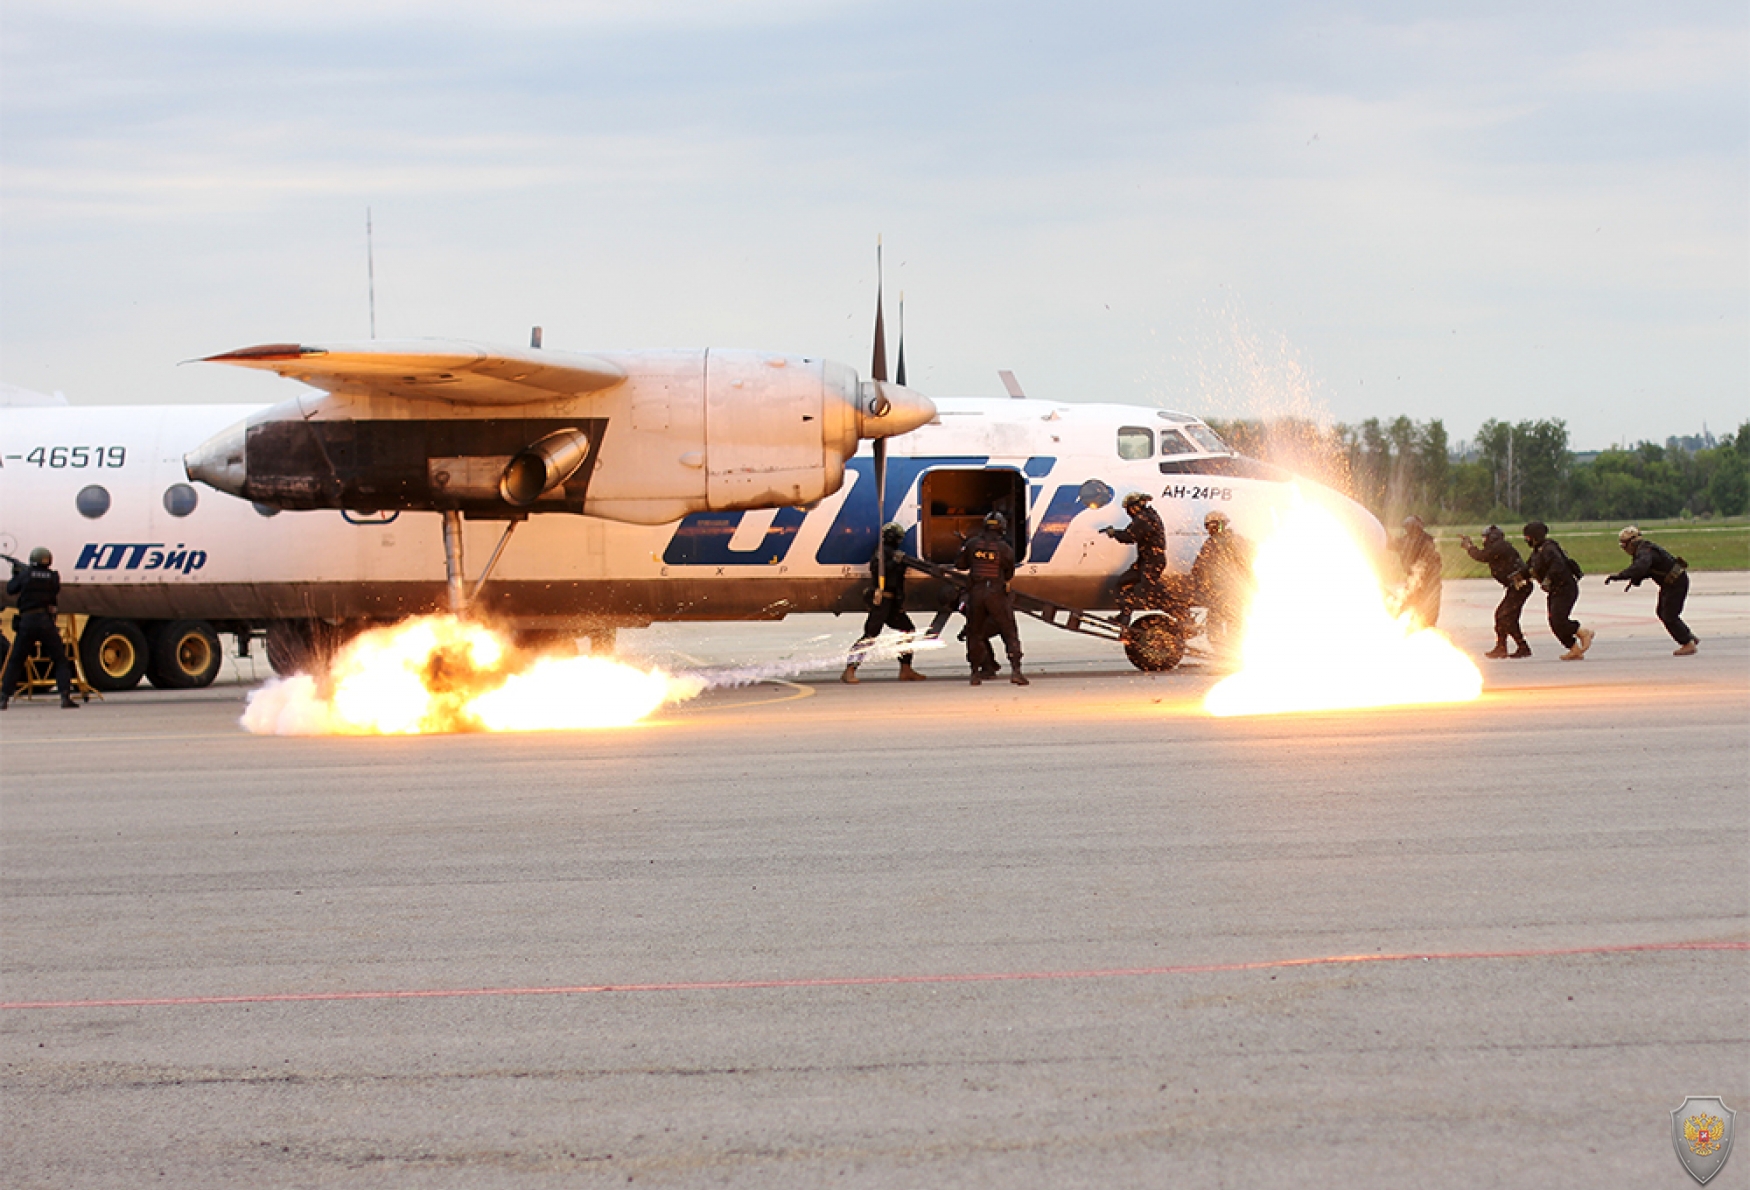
[(652, 437)]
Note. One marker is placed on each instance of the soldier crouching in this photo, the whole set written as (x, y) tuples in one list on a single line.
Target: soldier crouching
[(1671, 573)]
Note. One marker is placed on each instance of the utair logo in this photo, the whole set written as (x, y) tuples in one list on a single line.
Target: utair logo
[(704, 538), (148, 555)]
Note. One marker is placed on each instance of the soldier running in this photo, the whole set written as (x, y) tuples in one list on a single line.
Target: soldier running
[(1508, 569), (990, 559), (1556, 573), (887, 609), (1670, 573), (36, 588)]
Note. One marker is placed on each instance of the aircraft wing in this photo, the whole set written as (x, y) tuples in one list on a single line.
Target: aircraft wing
[(433, 370)]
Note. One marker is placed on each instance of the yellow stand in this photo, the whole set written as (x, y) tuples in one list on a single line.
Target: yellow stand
[(39, 670)]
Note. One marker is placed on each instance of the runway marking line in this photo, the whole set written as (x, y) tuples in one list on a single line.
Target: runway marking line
[(877, 980)]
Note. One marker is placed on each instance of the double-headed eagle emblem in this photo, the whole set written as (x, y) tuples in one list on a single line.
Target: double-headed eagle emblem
[(1703, 1134)]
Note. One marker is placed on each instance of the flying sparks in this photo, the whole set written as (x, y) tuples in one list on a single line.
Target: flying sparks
[(441, 674), (1319, 635)]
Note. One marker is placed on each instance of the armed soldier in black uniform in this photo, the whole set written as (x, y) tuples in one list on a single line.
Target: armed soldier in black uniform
[(1508, 569), (990, 560), (887, 606), (1221, 578), (1556, 573), (36, 587), (1672, 576), (1419, 594), (1140, 588)]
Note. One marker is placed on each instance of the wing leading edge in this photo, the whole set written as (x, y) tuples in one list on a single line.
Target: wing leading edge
[(450, 370)]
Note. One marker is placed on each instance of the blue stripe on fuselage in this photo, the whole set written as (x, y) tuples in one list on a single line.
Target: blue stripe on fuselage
[(1066, 504), (852, 538), (702, 539)]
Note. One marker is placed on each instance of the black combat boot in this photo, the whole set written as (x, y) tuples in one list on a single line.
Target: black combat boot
[(1499, 651), (1018, 678)]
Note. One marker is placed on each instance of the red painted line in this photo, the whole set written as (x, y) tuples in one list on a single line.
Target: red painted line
[(852, 981)]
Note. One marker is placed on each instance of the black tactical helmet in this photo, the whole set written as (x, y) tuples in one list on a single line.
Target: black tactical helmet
[(893, 533), (997, 521), (1412, 523), (1536, 532), (1134, 499), (1215, 522), (40, 556), (1493, 533)]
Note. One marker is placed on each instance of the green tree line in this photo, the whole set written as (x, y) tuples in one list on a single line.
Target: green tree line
[(1514, 471)]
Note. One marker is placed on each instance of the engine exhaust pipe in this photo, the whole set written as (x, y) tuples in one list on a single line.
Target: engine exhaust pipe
[(542, 466)]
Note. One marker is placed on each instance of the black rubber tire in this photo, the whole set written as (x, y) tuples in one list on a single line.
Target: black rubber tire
[(1154, 644), (185, 655), (112, 654)]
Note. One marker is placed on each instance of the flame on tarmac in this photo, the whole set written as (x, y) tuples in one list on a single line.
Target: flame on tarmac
[(1319, 635), (441, 674)]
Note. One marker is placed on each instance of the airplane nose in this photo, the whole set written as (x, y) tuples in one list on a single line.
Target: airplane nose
[(886, 410), (220, 462)]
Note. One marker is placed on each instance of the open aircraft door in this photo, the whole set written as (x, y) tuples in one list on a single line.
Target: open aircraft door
[(952, 505)]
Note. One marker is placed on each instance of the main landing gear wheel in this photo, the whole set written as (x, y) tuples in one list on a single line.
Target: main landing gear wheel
[(1153, 643), (185, 655), (112, 654)]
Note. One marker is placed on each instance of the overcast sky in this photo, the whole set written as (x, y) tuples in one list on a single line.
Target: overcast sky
[(1512, 210)]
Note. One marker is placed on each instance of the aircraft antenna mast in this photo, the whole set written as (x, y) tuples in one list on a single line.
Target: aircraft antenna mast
[(371, 271)]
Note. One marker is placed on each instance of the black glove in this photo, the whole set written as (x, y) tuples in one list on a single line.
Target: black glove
[(1609, 578), (1109, 531)]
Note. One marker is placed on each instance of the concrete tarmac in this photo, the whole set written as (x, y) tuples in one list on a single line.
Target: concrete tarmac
[(801, 933)]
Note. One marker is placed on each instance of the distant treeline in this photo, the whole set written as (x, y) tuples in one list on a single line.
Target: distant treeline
[(1511, 473)]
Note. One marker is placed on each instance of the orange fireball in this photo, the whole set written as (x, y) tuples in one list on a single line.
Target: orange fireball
[(441, 674)]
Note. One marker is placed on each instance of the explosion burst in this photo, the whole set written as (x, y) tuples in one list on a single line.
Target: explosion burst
[(441, 674), (1320, 637)]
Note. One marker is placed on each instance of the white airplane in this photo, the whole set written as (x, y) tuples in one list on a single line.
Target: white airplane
[(662, 486)]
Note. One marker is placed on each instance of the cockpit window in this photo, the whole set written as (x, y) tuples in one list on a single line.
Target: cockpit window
[(1134, 442), (1175, 443), (1205, 439)]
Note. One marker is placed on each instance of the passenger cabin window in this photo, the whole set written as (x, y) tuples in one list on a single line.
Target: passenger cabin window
[(1175, 443), (1134, 442)]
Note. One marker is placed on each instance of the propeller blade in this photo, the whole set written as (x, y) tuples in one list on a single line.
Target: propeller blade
[(880, 513), (878, 369), (899, 378)]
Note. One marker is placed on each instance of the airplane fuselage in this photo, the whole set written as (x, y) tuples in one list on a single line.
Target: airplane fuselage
[(105, 488)]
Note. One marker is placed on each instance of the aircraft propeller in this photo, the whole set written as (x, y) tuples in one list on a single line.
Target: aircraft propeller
[(878, 372)]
